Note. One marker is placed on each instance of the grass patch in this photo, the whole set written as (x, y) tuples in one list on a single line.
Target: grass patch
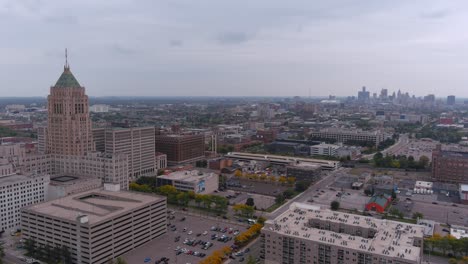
[(404, 220), (274, 207)]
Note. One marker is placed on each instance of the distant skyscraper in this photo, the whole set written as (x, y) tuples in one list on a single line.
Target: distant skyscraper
[(69, 125), (363, 95), (384, 94), (451, 100), (430, 98)]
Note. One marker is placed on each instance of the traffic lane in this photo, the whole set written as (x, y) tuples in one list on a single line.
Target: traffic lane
[(442, 213), (303, 197), (255, 249)]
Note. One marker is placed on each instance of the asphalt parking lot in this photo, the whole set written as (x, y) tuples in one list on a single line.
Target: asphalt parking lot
[(350, 199), (165, 246)]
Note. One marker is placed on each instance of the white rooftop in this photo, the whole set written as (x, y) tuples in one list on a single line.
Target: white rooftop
[(392, 239), (98, 205), (459, 231), (187, 176)]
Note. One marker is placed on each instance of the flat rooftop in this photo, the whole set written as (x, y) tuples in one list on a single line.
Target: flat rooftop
[(98, 204), (187, 176), (392, 239)]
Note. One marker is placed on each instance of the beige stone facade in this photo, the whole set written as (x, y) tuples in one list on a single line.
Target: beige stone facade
[(69, 124)]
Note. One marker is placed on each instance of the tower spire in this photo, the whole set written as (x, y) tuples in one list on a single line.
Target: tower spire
[(66, 67)]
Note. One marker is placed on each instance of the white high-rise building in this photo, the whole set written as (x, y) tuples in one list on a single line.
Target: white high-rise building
[(17, 191)]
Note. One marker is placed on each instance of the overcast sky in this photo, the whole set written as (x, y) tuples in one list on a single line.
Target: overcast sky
[(236, 47)]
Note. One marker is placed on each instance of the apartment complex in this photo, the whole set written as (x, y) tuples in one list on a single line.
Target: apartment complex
[(347, 136), (68, 121), (98, 225), (181, 149), (17, 191), (308, 234), (196, 181), (449, 166), (137, 143)]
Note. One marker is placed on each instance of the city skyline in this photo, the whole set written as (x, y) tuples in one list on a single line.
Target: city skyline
[(268, 48)]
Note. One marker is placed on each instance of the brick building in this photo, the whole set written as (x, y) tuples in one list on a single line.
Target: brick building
[(449, 166), (181, 149)]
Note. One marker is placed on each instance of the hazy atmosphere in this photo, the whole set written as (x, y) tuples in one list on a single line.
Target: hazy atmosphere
[(235, 48)]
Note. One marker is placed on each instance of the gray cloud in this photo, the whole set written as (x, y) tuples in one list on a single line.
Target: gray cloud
[(438, 14), (227, 38), (181, 47), (176, 43), (119, 49), (61, 19)]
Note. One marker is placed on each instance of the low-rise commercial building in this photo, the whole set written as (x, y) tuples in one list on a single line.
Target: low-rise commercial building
[(195, 180), (463, 193), (309, 234), (283, 160), (63, 185), (98, 225), (378, 203), (349, 136)]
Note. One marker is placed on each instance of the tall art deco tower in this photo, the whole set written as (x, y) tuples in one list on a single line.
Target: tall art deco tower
[(69, 125)]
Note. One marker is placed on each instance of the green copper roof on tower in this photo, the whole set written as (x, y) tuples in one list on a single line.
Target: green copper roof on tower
[(67, 80)]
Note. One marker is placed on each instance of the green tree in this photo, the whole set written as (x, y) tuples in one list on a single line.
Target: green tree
[(30, 247), (280, 198), (417, 215), (288, 194), (251, 260), (183, 198), (120, 261), (335, 205), (2, 254), (250, 202), (301, 186), (423, 161)]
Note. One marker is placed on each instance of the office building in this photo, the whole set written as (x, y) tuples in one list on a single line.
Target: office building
[(324, 150), (304, 172), (309, 234), (97, 225), (41, 140), (17, 191), (197, 181), (138, 144), (181, 149), (109, 168), (451, 100), (350, 136), (68, 121), (449, 166), (99, 138)]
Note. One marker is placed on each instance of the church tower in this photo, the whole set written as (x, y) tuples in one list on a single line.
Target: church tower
[(69, 124)]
